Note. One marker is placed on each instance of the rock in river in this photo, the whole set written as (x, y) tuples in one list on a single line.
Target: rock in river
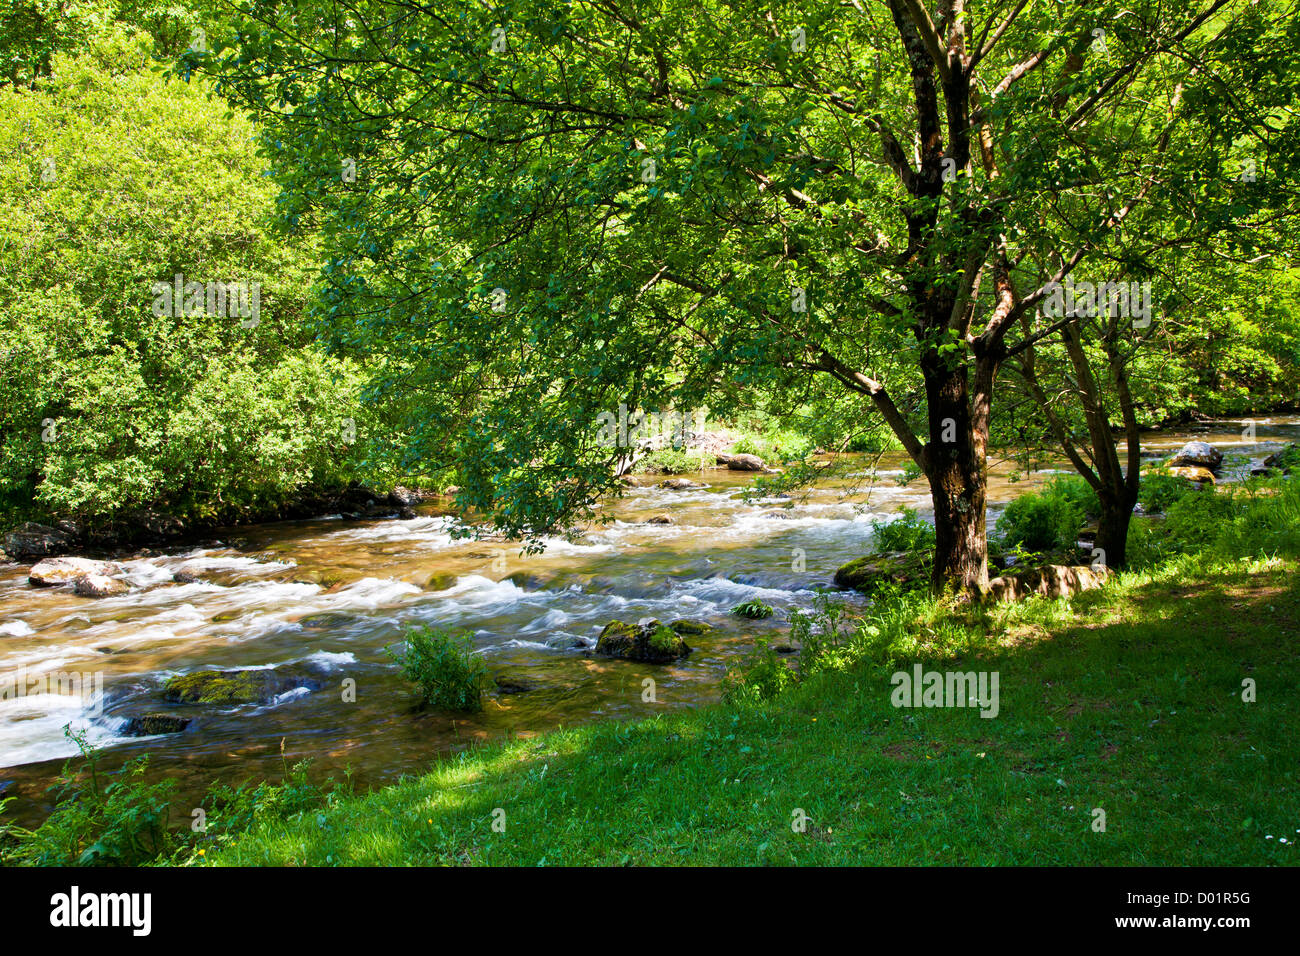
[(1198, 454), (52, 571), (150, 725), (648, 642), (98, 586), (232, 687)]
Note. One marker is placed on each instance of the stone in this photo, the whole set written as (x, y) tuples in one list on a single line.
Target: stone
[(1051, 580), (1193, 473), (231, 687), (1198, 453), (150, 725), (99, 586), (742, 462), (903, 568), (660, 519), (31, 540), (52, 571), (648, 643), (681, 484)]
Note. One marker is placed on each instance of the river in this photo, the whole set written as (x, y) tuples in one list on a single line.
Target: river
[(322, 598)]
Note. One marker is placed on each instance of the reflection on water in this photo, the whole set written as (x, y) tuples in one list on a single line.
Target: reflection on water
[(319, 600)]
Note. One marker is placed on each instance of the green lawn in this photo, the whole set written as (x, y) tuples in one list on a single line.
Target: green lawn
[(1127, 699)]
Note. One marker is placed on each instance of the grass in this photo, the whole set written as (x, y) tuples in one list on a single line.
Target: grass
[(1127, 699)]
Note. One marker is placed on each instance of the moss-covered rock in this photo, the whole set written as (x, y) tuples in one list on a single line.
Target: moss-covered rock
[(232, 687), (902, 568), (650, 642), (151, 725)]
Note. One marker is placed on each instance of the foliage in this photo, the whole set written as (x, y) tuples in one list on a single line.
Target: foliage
[(907, 532), (450, 675), (672, 461), (760, 675), (754, 610), (1048, 518), (122, 822), (124, 180), (1159, 490)]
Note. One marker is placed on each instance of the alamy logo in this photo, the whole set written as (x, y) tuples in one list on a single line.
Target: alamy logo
[(74, 909), (178, 299), (946, 689), (88, 686), (629, 429), (1126, 299)]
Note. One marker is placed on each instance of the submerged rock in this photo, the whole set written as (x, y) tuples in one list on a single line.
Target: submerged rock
[(1198, 453), (150, 725), (99, 586), (52, 571), (231, 687), (649, 642), (1051, 580)]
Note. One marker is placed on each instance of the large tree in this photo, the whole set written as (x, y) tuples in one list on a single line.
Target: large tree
[(541, 211)]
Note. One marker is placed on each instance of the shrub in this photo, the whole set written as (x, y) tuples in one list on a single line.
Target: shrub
[(907, 532), (671, 461), (1159, 490), (119, 823), (450, 675), (754, 610), (760, 676), (1048, 518)]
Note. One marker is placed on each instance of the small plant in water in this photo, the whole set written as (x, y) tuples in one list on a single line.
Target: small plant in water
[(754, 610), (450, 675)]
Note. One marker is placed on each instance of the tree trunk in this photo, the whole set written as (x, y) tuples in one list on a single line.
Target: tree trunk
[(1112, 533), (958, 484)]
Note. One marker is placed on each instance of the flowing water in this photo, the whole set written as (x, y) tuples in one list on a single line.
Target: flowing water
[(319, 600)]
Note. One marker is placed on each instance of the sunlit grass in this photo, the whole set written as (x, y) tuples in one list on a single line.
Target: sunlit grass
[(1125, 699)]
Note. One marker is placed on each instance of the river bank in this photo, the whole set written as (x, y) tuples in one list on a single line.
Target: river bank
[(1109, 748), (316, 602)]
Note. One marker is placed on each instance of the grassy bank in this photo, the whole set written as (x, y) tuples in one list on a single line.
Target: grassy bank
[(1127, 699)]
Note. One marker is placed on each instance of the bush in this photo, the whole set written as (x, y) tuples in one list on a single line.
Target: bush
[(450, 675), (760, 676), (119, 823), (754, 610), (1048, 518), (1159, 490), (907, 532), (672, 461)]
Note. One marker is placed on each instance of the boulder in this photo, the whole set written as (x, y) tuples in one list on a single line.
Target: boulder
[(1193, 473), (1051, 580), (231, 687), (630, 481), (902, 568), (33, 540), (151, 725), (52, 571), (188, 574), (681, 484), (1279, 459), (742, 462), (99, 586), (648, 642), (660, 519), (1198, 453)]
